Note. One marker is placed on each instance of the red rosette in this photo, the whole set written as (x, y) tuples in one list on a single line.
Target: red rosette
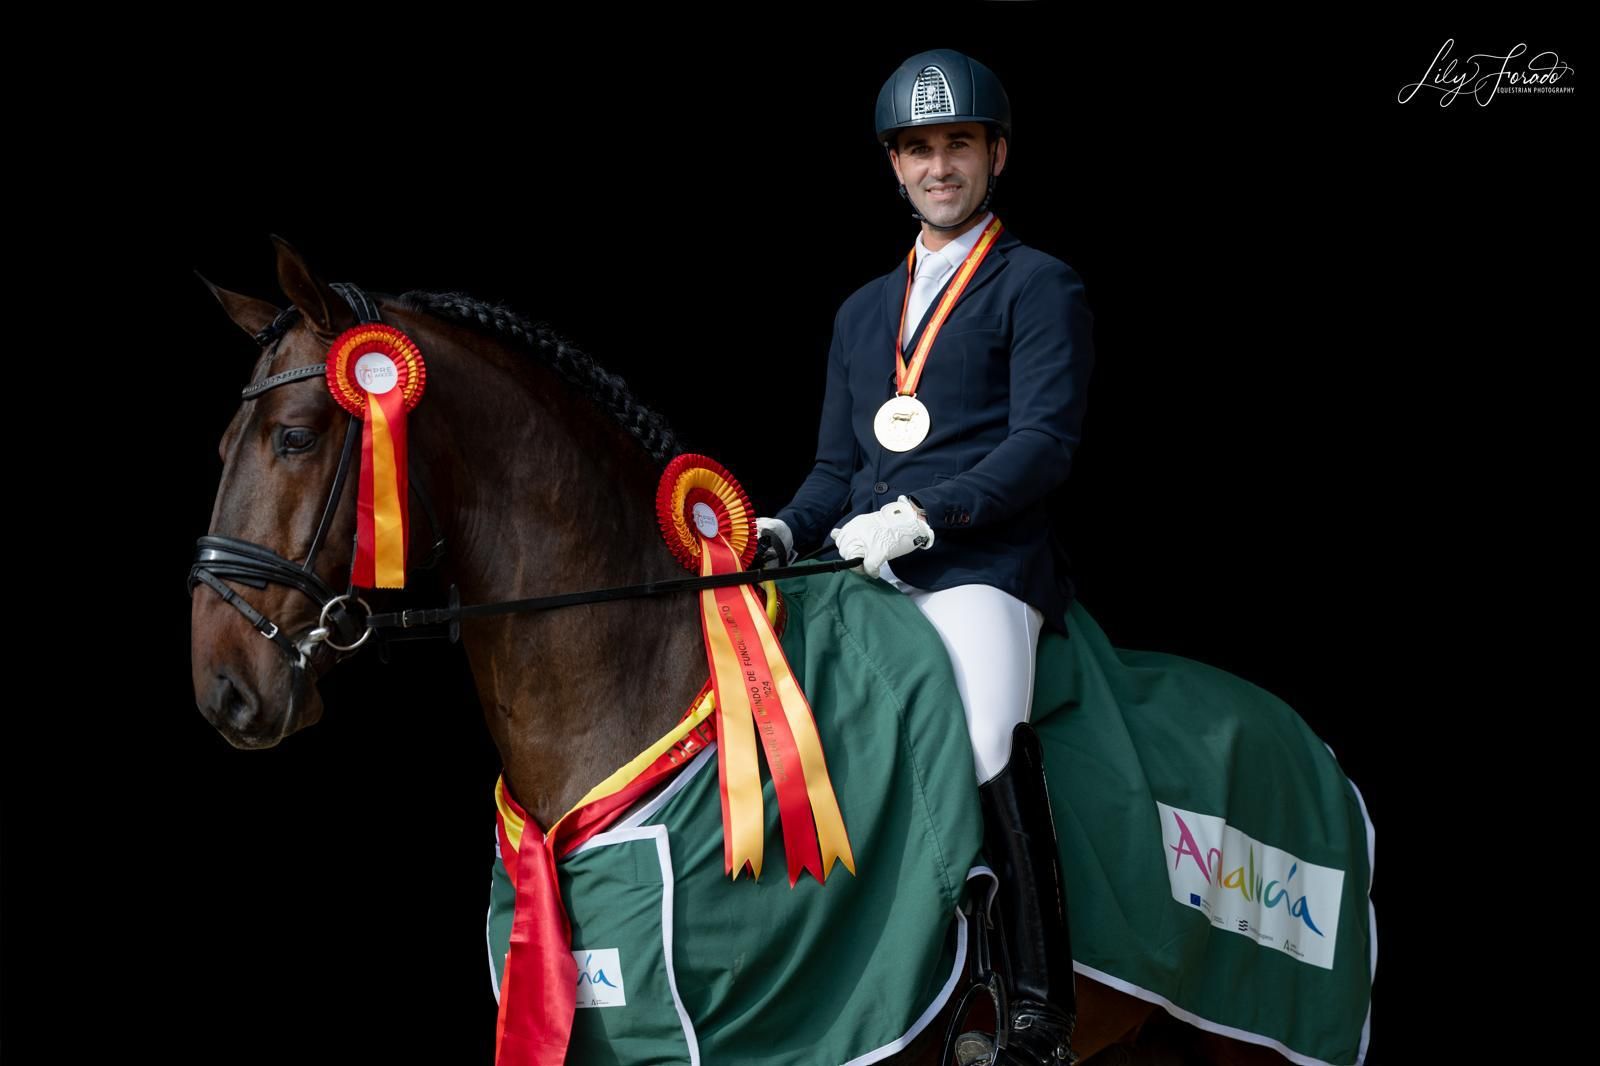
[(371, 359), (698, 498)]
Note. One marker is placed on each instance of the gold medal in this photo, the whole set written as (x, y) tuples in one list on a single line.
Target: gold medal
[(901, 423)]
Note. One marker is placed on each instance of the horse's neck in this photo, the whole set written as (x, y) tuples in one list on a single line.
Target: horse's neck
[(573, 694), (557, 502)]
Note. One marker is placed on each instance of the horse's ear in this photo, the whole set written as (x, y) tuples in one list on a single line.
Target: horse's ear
[(248, 313), (324, 310)]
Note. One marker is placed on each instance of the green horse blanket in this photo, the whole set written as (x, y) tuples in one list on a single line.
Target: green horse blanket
[(1217, 860)]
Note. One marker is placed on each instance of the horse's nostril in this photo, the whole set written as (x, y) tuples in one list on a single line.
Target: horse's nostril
[(234, 704)]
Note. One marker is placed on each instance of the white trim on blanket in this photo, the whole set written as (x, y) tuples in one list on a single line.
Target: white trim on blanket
[(1372, 913), (939, 1001), (664, 857), (488, 921), (1194, 1019)]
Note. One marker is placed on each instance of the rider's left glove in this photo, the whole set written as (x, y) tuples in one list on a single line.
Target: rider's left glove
[(877, 537)]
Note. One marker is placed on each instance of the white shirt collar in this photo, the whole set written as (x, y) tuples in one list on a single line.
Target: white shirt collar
[(958, 249)]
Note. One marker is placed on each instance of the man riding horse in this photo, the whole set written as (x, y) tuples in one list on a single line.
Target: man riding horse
[(956, 387)]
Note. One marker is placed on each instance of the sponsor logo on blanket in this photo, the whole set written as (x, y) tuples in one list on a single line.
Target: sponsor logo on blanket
[(1249, 887), (599, 978)]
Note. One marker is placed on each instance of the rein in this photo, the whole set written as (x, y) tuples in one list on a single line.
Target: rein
[(452, 614), (221, 557)]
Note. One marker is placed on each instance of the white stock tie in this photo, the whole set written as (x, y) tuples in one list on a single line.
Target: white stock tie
[(931, 270)]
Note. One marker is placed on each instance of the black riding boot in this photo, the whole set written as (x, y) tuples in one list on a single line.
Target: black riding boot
[(1020, 842)]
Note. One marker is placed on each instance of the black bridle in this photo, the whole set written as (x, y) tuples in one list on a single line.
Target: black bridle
[(219, 557)]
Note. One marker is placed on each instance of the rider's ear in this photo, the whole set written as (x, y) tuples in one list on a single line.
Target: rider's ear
[(248, 313), (324, 310)]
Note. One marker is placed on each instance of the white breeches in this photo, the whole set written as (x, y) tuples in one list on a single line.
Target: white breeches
[(993, 641)]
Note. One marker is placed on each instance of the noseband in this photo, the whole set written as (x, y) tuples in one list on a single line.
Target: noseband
[(219, 557)]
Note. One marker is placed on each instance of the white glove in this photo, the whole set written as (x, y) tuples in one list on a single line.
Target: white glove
[(780, 533), (875, 538)]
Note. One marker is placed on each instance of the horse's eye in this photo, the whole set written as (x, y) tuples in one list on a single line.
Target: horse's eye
[(296, 439)]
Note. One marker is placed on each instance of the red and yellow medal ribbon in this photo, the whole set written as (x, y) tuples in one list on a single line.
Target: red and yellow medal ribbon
[(710, 525), (376, 373), (906, 377)]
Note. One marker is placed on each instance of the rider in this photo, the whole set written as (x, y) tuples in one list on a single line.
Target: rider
[(969, 442)]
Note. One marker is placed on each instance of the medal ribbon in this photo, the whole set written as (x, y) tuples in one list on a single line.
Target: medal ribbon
[(906, 378)]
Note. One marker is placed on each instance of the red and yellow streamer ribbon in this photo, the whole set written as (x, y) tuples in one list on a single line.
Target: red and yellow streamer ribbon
[(376, 373), (758, 697), (710, 525)]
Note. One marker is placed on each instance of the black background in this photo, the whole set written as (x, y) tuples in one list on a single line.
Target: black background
[(1331, 447)]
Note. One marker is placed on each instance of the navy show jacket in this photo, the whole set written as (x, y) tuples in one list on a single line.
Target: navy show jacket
[(1005, 385)]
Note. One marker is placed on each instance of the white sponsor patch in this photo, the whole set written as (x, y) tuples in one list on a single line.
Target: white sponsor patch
[(599, 978), (1243, 885)]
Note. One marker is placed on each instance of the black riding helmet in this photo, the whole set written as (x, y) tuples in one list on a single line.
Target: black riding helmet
[(942, 86)]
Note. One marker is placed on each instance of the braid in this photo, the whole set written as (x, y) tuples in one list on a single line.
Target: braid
[(606, 389)]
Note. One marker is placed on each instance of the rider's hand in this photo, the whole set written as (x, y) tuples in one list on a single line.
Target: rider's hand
[(776, 545), (877, 537)]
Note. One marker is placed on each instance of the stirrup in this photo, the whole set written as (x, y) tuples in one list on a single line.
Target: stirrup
[(973, 1048)]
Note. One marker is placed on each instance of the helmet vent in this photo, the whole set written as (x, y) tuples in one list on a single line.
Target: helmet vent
[(931, 95)]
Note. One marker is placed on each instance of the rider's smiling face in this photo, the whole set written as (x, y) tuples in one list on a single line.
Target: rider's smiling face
[(945, 168)]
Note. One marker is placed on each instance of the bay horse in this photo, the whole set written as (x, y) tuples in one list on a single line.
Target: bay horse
[(538, 470)]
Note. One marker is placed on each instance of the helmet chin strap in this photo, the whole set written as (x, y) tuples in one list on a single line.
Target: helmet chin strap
[(980, 209)]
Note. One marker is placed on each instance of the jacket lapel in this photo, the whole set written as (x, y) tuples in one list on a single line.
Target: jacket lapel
[(894, 290)]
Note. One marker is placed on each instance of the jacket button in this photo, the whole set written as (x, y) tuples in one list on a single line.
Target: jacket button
[(880, 487)]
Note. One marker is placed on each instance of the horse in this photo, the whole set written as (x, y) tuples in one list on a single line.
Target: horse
[(537, 469)]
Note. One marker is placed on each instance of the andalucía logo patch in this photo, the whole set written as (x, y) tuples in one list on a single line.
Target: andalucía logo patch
[(1251, 888), (600, 978)]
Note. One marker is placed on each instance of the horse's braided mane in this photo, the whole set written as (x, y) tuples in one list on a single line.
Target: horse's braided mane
[(606, 389)]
